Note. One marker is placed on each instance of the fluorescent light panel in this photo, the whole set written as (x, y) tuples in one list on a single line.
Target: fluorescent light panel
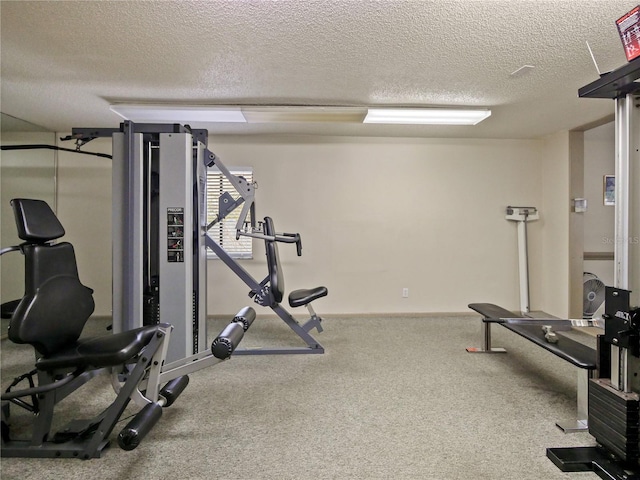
[(288, 114), (298, 114), (426, 116), (178, 113)]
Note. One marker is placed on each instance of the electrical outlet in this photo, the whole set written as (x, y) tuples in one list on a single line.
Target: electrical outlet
[(405, 292)]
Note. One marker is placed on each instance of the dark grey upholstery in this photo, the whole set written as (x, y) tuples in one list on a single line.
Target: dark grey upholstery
[(35, 221), (51, 317), (55, 305), (276, 278)]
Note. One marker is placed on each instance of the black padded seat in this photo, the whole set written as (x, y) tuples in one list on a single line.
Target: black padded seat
[(35, 221), (55, 306), (301, 297), (297, 298), (106, 351)]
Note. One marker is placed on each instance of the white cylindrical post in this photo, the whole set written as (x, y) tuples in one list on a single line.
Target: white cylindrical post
[(523, 266), (522, 215)]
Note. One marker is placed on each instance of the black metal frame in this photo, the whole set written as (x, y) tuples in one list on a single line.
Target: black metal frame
[(614, 414), (618, 83), (79, 439)]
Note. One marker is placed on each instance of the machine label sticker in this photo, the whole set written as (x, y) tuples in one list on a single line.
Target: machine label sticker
[(629, 30), (175, 234)]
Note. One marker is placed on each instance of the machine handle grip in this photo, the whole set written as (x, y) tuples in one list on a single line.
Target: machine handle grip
[(299, 246), (291, 238)]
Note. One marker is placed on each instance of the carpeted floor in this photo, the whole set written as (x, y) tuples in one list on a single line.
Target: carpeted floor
[(392, 398)]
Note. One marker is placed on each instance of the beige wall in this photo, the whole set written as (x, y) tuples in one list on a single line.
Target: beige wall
[(555, 229), (376, 215), (599, 160), (23, 174), (84, 208), (576, 224)]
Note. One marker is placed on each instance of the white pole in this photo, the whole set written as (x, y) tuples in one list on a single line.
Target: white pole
[(523, 266), (621, 248), (522, 215)]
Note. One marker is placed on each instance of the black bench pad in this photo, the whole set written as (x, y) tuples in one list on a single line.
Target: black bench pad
[(573, 352), (104, 351), (578, 354)]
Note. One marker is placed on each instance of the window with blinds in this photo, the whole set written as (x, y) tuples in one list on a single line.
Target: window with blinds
[(224, 232)]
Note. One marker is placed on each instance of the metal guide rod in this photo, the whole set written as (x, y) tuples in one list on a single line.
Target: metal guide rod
[(621, 246)]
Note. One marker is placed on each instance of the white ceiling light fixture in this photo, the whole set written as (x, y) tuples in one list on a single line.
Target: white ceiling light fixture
[(194, 114), (303, 114), (178, 113), (426, 116)]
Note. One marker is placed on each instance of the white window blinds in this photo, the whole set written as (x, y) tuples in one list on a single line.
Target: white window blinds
[(224, 232)]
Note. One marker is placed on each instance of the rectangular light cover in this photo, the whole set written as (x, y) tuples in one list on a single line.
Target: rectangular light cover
[(426, 116), (178, 113)]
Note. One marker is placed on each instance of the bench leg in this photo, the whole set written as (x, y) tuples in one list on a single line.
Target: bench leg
[(486, 341), (581, 423)]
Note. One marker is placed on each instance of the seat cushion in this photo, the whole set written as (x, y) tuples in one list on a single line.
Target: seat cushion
[(98, 352), (56, 306), (35, 220), (301, 297)]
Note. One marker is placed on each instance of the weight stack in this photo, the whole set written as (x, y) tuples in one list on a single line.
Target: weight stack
[(614, 419)]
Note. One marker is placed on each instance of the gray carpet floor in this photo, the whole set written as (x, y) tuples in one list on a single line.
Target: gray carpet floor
[(392, 398)]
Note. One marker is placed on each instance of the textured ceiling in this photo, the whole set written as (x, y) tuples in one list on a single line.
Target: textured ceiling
[(64, 63)]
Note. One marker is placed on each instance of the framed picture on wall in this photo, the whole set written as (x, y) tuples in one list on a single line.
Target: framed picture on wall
[(609, 190)]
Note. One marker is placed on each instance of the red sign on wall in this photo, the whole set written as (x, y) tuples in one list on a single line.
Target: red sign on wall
[(629, 29)]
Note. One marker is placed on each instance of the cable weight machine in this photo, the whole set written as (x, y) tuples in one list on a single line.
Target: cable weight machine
[(160, 237), (614, 397)]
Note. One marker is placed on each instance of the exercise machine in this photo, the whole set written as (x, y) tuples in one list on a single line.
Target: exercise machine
[(51, 317), (160, 237), (270, 291), (614, 396), (613, 399)]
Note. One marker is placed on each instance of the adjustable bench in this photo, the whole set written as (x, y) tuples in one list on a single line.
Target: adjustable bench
[(539, 331)]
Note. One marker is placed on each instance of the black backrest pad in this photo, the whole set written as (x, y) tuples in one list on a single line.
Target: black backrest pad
[(276, 278), (36, 221), (55, 306)]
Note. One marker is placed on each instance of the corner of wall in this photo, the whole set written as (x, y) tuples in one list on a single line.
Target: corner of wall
[(555, 167)]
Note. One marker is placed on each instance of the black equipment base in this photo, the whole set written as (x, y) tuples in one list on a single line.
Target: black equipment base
[(592, 459)]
